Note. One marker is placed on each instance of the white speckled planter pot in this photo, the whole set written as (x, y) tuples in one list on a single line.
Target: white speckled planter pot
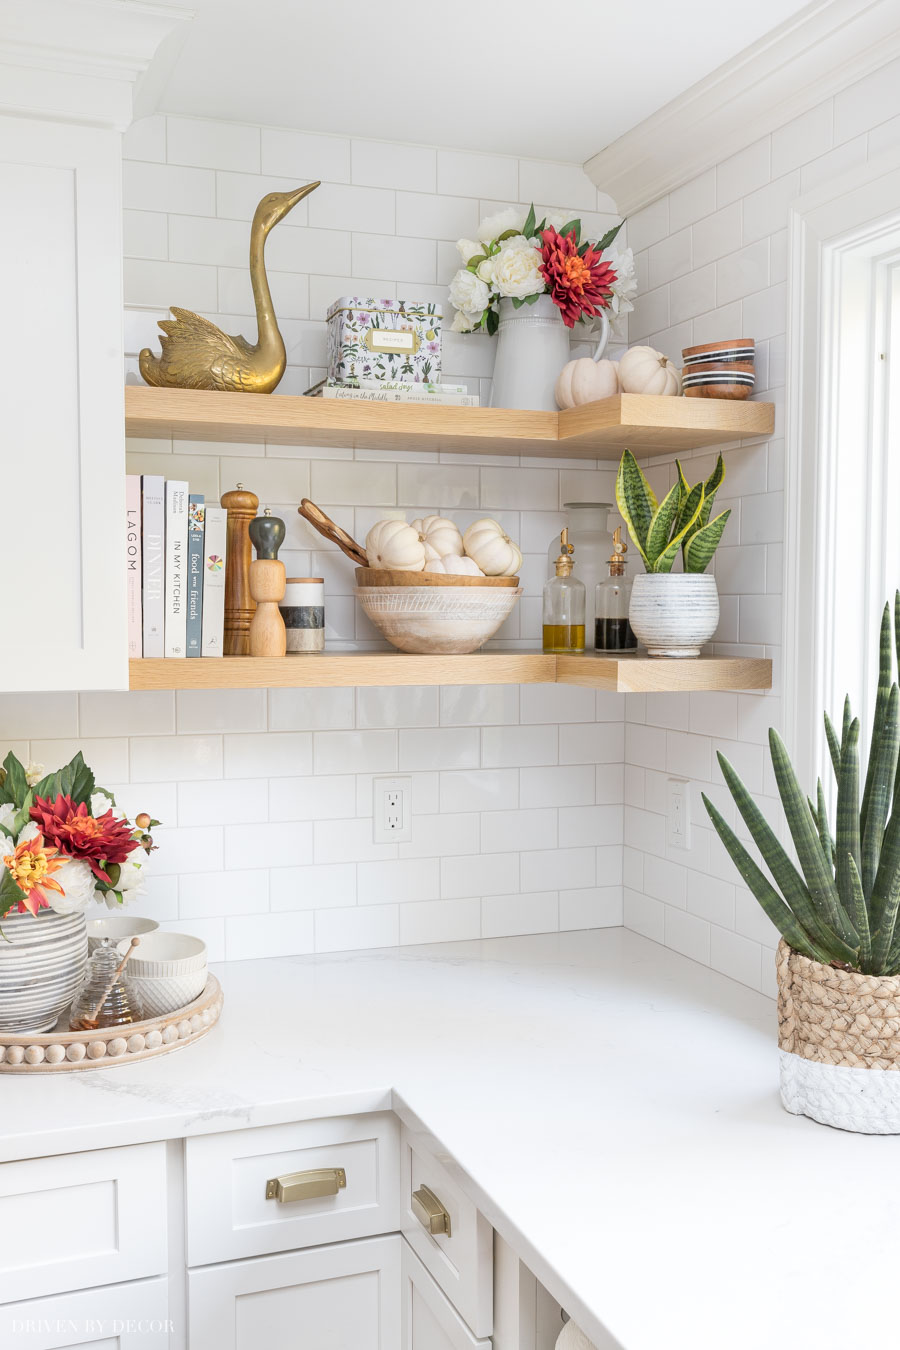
[(674, 613), (839, 1044)]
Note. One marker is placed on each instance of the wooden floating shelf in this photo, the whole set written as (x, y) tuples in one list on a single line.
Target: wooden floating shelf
[(646, 424), (626, 674)]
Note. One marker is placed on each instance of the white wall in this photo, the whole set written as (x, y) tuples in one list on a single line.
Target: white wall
[(266, 797), (711, 259)]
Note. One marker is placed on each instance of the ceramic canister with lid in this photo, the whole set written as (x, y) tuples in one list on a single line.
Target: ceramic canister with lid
[(303, 611)]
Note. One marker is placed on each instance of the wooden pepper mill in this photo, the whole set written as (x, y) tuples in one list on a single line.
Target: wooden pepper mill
[(242, 507), (267, 582)]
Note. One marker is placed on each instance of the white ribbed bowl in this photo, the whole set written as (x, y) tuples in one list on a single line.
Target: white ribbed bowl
[(168, 970), (674, 613), (115, 928), (438, 619)]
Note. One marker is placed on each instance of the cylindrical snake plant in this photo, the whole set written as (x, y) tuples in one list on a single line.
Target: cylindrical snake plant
[(680, 521), (841, 906)]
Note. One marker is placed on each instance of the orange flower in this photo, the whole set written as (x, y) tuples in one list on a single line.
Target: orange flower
[(31, 865)]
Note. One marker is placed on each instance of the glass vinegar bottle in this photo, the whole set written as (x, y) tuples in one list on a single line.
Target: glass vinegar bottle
[(614, 633), (564, 597)]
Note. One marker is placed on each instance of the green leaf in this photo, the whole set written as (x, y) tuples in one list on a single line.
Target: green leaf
[(607, 239), (667, 557), (507, 234), (661, 524), (518, 302), (879, 785), (787, 923), (636, 501), (711, 487), (702, 544), (77, 780), (788, 879), (834, 746), (881, 702), (573, 225), (9, 892), (817, 874), (856, 905), (14, 785), (691, 498), (847, 838), (530, 299), (528, 227), (821, 818)]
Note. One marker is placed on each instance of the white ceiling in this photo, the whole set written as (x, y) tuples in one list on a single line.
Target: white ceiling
[(533, 78)]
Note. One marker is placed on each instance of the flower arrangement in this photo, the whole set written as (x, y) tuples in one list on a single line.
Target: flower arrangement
[(518, 258), (63, 843)]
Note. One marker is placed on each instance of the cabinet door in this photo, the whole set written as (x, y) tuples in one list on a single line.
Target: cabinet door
[(429, 1320), (63, 407), (118, 1317), (341, 1297)]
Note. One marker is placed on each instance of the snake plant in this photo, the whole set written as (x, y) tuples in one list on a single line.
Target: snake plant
[(680, 521), (841, 907)]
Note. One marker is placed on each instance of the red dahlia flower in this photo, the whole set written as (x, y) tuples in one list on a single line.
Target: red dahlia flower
[(580, 283), (78, 834)]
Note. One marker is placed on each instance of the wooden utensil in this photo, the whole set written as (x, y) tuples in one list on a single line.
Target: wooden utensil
[(242, 507), (91, 1019), (333, 533)]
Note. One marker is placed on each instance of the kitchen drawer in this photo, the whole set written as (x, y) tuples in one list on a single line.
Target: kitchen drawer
[(116, 1317), (343, 1297), (81, 1219), (428, 1319), (461, 1262), (229, 1214)]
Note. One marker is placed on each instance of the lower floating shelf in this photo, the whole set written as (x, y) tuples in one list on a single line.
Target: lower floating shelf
[(625, 674)]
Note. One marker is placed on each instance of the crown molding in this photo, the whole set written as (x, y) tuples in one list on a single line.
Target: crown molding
[(79, 60), (826, 47)]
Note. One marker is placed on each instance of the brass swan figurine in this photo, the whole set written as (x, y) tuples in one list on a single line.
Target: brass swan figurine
[(197, 355)]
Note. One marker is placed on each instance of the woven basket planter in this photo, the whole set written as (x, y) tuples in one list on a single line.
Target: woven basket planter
[(839, 1038)]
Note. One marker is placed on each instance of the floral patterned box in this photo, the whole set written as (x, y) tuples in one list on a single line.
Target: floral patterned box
[(384, 339)]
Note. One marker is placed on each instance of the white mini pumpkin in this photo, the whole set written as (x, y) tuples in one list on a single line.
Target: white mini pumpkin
[(454, 565), (395, 546), (645, 371), (439, 535), (585, 380), (495, 553)]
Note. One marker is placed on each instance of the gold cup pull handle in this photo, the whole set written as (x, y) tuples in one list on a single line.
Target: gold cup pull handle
[(430, 1212), (306, 1185)]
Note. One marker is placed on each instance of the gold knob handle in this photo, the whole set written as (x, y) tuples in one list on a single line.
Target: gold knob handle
[(429, 1211), (306, 1185)]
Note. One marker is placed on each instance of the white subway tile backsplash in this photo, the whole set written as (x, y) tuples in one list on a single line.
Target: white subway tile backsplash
[(227, 802), (303, 156), (162, 758), (571, 868), (511, 915), (367, 751), (212, 145), (441, 836), (267, 755), (43, 715), (465, 173), (441, 921), (693, 201), (249, 938), (510, 747), (319, 886), (221, 710), (868, 102), (571, 785), (401, 879), (386, 165), (339, 206), (439, 748), (278, 845), (319, 797), (479, 874), (145, 139), (480, 789), (192, 848), (402, 260), (156, 285), (209, 894), (166, 187), (479, 705), (344, 930), (592, 907), (424, 215), (743, 172), (503, 831)]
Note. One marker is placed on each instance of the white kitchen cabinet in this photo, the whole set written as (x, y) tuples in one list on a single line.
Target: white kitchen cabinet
[(526, 1316), (61, 345), (117, 1317), (340, 1297), (428, 1319)]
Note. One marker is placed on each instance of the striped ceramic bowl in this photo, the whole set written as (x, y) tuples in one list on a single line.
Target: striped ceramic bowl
[(719, 369), (42, 962)]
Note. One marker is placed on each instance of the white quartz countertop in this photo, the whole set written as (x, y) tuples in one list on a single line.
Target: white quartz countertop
[(613, 1105)]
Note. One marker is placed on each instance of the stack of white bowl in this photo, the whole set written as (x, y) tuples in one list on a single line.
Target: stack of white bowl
[(167, 971)]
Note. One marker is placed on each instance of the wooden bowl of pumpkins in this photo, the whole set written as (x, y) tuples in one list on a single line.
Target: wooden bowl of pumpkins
[(432, 589)]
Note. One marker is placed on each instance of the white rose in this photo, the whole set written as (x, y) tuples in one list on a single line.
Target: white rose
[(100, 804), (78, 882), (29, 831), (624, 288), (463, 322), (131, 873), (7, 815), (516, 272), (491, 226), (468, 292), (485, 270), (467, 248), (33, 773)]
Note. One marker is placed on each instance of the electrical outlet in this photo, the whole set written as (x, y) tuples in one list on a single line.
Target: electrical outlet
[(392, 810), (678, 818)]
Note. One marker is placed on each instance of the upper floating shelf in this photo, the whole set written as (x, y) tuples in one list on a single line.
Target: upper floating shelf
[(646, 424), (355, 668)]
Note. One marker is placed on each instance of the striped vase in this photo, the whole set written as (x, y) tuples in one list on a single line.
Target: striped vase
[(42, 962), (674, 613)]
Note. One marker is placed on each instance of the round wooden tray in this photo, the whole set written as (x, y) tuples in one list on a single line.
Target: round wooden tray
[(380, 576), (58, 1051)]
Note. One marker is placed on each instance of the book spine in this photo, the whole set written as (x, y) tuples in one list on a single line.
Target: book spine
[(213, 622), (176, 567), (405, 386), (196, 520), (153, 488), (133, 564), (397, 396)]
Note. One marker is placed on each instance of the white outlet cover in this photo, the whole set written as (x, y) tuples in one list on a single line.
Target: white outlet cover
[(678, 813), (392, 810)]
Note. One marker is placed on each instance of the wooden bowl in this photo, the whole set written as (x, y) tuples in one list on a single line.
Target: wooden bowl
[(378, 576), (733, 349)]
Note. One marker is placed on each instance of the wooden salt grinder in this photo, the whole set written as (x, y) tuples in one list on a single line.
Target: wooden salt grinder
[(242, 507), (267, 583)]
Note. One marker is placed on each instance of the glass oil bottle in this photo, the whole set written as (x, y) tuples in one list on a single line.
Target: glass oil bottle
[(564, 597), (614, 632)]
